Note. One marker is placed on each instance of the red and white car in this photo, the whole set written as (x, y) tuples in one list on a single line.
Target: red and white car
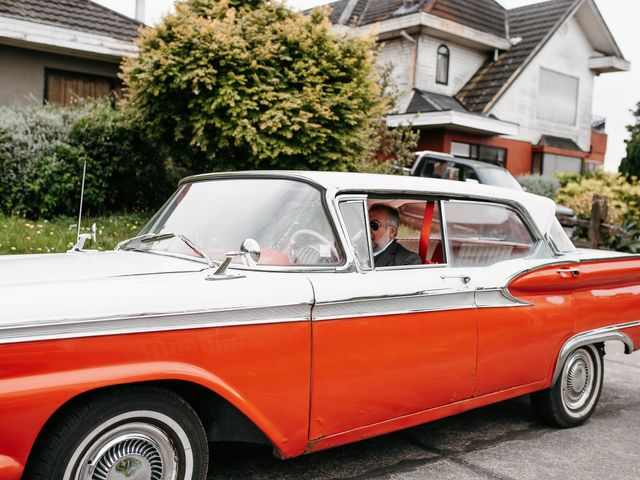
[(130, 363)]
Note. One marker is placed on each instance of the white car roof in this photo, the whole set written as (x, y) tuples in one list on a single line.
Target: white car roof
[(541, 209)]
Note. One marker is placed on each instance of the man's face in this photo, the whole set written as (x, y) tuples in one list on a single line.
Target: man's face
[(385, 232)]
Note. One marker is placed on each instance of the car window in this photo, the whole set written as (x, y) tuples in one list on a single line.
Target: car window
[(480, 234), (419, 234), (285, 217), (354, 218)]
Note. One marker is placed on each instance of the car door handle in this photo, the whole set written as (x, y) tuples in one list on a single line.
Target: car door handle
[(464, 278), (568, 272)]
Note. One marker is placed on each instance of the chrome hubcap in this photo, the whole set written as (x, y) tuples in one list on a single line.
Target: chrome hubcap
[(578, 380), (134, 451), (135, 458)]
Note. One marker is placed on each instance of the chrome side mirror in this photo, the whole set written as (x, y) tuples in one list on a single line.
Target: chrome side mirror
[(250, 253), (250, 250), (79, 246)]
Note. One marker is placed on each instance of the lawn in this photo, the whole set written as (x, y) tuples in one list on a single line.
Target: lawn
[(21, 235)]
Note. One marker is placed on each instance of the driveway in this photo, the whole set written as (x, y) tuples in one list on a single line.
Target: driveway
[(500, 442)]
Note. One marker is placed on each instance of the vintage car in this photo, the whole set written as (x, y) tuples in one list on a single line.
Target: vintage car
[(250, 308)]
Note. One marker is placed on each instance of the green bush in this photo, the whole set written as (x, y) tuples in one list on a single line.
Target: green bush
[(539, 185), (229, 84), (624, 196), (43, 149)]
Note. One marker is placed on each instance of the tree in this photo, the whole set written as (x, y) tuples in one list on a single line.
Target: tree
[(236, 84), (630, 165)]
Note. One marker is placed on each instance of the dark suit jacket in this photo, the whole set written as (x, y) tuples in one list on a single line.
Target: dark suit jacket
[(395, 254)]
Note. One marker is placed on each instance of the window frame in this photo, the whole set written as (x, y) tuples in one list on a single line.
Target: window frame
[(115, 83), (443, 50), (539, 113), (537, 237)]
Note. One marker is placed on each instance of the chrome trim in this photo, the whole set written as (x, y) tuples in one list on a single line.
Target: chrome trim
[(497, 298), (145, 323), (346, 238), (420, 302), (598, 335), (444, 233)]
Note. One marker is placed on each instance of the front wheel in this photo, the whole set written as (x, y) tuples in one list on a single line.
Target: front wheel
[(138, 433), (573, 398)]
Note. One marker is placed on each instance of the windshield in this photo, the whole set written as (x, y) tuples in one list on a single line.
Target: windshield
[(285, 217), (500, 178)]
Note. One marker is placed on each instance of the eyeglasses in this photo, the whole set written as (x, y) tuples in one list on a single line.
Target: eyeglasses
[(375, 225)]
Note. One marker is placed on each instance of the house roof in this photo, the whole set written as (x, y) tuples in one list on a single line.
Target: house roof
[(423, 101), (558, 142), (534, 24), (80, 15), (484, 15)]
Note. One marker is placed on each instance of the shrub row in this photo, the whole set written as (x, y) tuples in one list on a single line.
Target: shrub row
[(43, 150)]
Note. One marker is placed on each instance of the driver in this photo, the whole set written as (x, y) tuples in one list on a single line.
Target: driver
[(387, 252)]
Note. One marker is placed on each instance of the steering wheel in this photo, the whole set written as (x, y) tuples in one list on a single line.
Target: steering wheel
[(315, 249)]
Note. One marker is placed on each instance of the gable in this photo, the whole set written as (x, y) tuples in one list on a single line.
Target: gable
[(534, 24)]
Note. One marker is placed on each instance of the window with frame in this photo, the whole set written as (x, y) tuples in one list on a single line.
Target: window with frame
[(558, 97), (65, 88), (481, 234), (484, 153), (419, 229), (442, 65)]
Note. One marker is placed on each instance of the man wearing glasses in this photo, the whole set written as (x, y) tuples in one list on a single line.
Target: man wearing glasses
[(384, 221)]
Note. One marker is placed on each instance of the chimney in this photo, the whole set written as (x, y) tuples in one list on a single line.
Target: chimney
[(140, 10)]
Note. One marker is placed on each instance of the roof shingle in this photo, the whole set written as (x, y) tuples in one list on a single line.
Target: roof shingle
[(82, 15), (485, 15), (533, 23)]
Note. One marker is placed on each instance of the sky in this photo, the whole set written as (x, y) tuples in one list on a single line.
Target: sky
[(615, 94)]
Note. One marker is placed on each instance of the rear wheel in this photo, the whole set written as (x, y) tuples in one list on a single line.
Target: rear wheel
[(574, 397), (138, 433)]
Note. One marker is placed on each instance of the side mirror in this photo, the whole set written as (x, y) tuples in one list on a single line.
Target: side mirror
[(250, 250), (250, 253), (79, 246)]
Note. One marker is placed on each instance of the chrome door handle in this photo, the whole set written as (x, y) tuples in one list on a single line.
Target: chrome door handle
[(464, 278), (565, 272)]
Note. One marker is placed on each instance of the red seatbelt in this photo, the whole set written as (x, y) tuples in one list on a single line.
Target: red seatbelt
[(425, 233)]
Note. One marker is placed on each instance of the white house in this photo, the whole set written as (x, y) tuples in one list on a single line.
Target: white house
[(512, 87)]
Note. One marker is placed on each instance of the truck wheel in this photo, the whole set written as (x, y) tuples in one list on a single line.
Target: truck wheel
[(136, 433), (574, 397)]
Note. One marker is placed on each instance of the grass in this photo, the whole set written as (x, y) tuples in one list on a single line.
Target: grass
[(21, 235)]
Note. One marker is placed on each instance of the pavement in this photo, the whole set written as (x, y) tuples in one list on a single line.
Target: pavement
[(504, 441)]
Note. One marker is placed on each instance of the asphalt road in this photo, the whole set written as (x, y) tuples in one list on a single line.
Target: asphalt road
[(500, 442)]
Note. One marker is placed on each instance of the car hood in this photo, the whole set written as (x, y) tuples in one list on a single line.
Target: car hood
[(104, 293), (68, 267)]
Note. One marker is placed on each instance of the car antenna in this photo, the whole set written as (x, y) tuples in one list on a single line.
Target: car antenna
[(81, 238)]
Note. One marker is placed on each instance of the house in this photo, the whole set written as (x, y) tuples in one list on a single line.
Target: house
[(58, 50), (511, 87)]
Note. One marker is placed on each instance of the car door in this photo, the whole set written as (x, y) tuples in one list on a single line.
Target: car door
[(517, 337), (387, 342)]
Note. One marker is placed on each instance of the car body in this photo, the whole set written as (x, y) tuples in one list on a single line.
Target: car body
[(130, 362), (446, 166)]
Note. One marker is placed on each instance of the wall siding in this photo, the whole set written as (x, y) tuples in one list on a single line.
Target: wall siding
[(463, 63), (567, 52), (22, 73)]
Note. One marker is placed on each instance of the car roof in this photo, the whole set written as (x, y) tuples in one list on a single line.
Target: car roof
[(540, 208)]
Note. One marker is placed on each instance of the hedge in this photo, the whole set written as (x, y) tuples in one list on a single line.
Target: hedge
[(43, 149)]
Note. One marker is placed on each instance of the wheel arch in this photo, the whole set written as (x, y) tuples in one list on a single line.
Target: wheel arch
[(591, 337), (222, 420)]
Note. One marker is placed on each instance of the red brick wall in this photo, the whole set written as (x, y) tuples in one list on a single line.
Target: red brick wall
[(598, 146), (519, 153)]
